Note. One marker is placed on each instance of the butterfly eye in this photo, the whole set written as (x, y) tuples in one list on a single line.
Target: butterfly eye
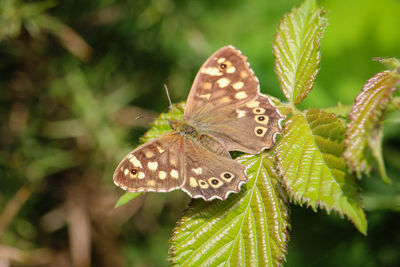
[(134, 171), (222, 66)]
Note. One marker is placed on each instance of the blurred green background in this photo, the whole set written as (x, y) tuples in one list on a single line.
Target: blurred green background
[(74, 75)]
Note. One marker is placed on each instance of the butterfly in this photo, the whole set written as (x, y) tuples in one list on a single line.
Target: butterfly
[(225, 111)]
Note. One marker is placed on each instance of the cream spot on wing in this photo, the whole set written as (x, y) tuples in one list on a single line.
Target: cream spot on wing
[(213, 71), (160, 149), (207, 85), (215, 182), (231, 69), (253, 104), (224, 100), (141, 175), (243, 74), (220, 60), (223, 82), (197, 171), (174, 174), (122, 168), (203, 184), (206, 96), (151, 183), (148, 153), (238, 85), (240, 113), (241, 95), (135, 162), (162, 175), (262, 119), (126, 171), (258, 110), (260, 131), (152, 165), (193, 182), (172, 161)]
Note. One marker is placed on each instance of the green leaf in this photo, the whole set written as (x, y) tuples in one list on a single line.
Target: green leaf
[(364, 132), (161, 125), (247, 229), (296, 50), (391, 63), (125, 198), (313, 170)]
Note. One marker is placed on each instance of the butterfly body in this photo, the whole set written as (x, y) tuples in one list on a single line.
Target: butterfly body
[(190, 132), (184, 128), (224, 112)]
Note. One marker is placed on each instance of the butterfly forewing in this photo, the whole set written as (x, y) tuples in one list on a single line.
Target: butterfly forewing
[(225, 79), (156, 166)]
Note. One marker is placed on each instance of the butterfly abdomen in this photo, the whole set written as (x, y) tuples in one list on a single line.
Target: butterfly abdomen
[(213, 145)]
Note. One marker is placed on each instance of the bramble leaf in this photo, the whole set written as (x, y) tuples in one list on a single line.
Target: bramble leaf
[(364, 132), (296, 50), (309, 158), (125, 198), (247, 229)]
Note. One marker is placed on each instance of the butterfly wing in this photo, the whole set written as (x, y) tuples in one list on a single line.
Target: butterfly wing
[(224, 79), (209, 175), (173, 161), (155, 166), (251, 127), (225, 102)]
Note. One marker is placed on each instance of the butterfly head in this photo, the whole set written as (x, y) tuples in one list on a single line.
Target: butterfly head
[(173, 124), (183, 128)]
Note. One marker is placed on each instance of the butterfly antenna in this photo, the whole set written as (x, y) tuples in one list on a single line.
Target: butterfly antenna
[(169, 99)]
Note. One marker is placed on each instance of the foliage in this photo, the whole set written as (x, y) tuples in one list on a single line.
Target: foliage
[(248, 229), (308, 159), (364, 131)]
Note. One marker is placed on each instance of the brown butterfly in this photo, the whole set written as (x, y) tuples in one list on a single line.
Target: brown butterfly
[(224, 112)]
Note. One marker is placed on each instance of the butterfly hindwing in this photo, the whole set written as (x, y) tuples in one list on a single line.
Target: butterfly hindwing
[(155, 166), (251, 127), (209, 175)]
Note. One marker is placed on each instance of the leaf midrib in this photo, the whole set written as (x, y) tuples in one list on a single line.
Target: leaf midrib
[(248, 205)]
